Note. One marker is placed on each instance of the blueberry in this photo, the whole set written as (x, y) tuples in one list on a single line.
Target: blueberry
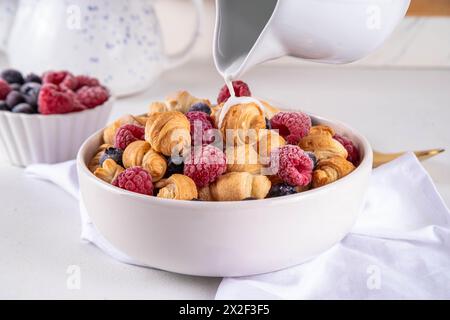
[(33, 78), (112, 153), (14, 98), (31, 93), (281, 189), (15, 86), (3, 106), (173, 167), (12, 76), (313, 158), (200, 106), (23, 108), (268, 125)]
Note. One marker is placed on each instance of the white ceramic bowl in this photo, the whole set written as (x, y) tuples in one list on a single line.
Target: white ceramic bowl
[(226, 238), (37, 138)]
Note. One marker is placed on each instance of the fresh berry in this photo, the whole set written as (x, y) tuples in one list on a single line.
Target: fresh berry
[(241, 89), (281, 189), (12, 76), (201, 124), (56, 77), (200, 106), (268, 125), (3, 106), (14, 98), (135, 179), (205, 164), (54, 100), (30, 90), (352, 150), (4, 89), (294, 165), (313, 158), (127, 134), (23, 108), (15, 87), (92, 97), (33, 78), (173, 167), (83, 81), (113, 154), (291, 125)]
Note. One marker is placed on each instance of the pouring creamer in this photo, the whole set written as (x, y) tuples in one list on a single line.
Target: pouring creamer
[(329, 31)]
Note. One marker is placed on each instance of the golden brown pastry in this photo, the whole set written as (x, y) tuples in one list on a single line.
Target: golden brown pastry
[(267, 141), (234, 186), (240, 118), (95, 161), (110, 131), (108, 171), (139, 153), (179, 101), (330, 170), (168, 132), (242, 158), (177, 186), (320, 141), (270, 110)]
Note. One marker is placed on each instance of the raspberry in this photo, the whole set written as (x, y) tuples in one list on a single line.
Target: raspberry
[(205, 164), (294, 165), (241, 89), (353, 151), (135, 179), (86, 81), (4, 89), (77, 105), (92, 97), (64, 79), (292, 126), (201, 124), (127, 134), (53, 100)]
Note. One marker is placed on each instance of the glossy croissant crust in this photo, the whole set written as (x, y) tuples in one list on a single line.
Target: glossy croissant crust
[(235, 186), (320, 141), (168, 131), (240, 118), (139, 153), (243, 158), (177, 186), (108, 171), (268, 140), (110, 131), (179, 101), (330, 170), (95, 161)]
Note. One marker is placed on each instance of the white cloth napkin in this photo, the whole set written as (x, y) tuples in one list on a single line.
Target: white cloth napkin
[(399, 247)]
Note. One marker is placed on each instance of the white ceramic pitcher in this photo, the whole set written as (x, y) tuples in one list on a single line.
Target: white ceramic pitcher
[(117, 41), (330, 31)]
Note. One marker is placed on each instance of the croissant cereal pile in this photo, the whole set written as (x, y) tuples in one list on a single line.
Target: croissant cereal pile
[(186, 148)]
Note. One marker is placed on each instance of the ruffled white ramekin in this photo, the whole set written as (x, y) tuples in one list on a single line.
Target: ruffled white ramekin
[(35, 138)]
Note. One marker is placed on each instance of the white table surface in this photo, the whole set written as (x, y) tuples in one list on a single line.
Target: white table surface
[(397, 109)]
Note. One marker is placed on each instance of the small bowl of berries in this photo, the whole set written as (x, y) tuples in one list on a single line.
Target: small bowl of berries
[(45, 118)]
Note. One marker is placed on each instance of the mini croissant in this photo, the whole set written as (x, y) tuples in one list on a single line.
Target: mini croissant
[(139, 153), (168, 132), (108, 171), (235, 186), (95, 161), (240, 118), (331, 169), (179, 101), (267, 141), (270, 110), (110, 131), (243, 158), (177, 186), (320, 141)]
